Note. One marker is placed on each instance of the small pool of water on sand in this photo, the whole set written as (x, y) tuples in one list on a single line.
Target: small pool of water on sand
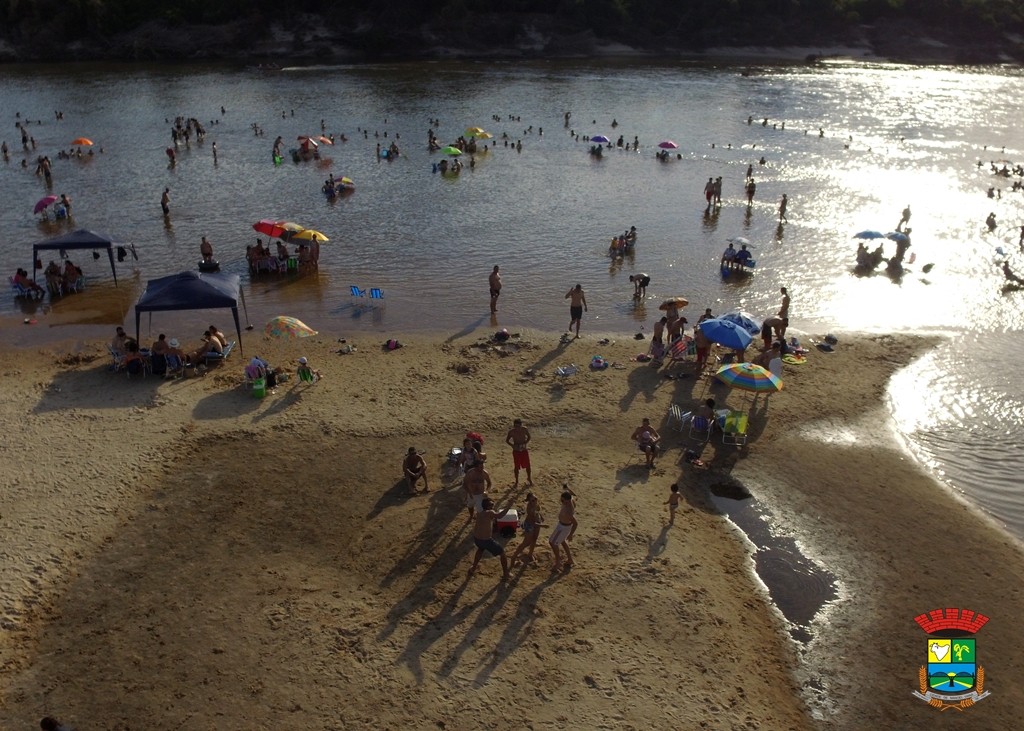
[(797, 585)]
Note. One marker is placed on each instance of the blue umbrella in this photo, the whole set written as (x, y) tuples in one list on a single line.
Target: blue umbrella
[(869, 235), (897, 236), (744, 320), (599, 138), (726, 333)]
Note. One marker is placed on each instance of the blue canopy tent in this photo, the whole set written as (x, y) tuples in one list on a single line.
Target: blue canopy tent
[(192, 291), (80, 239)]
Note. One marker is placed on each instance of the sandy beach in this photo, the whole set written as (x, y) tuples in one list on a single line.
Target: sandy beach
[(181, 555)]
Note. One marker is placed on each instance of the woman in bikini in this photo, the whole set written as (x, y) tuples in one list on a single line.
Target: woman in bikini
[(531, 529)]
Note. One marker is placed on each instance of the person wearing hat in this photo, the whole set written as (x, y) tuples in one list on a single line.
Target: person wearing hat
[(175, 357), (415, 469), (305, 373)]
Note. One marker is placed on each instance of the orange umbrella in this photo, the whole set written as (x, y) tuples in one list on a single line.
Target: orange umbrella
[(325, 140), (82, 141)]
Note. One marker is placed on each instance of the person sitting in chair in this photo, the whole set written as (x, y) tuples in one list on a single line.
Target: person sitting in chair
[(22, 280), (415, 469), (210, 345), (305, 373), (647, 438), (134, 363)]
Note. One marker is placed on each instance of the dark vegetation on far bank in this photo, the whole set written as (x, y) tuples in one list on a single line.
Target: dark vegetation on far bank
[(962, 31)]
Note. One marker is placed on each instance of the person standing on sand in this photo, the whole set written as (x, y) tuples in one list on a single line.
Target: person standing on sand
[(532, 524), (673, 503), (476, 484), (565, 530), (577, 306), (904, 219), (518, 438), (415, 469), (165, 201), (495, 282), (483, 537)]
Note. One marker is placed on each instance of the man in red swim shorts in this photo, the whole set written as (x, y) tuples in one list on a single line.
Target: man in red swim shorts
[(518, 438)]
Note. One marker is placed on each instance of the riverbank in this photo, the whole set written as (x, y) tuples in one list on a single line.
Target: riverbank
[(183, 552)]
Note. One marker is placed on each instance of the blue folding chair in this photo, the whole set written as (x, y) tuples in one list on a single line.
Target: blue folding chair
[(356, 292), (376, 293)]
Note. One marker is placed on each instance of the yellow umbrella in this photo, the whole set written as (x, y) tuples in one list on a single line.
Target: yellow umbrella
[(307, 234), (474, 131), (484, 136)]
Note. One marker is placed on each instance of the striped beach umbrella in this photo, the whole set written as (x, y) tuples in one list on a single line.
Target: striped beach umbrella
[(749, 377), (287, 328)]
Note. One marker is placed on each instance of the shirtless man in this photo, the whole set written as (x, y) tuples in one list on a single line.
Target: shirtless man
[(495, 282), (483, 537), (640, 282), (577, 306), (415, 469), (206, 249), (518, 438), (476, 484), (784, 309), (647, 438), (565, 530)]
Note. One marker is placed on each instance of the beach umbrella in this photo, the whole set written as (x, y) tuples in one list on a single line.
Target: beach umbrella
[(325, 140), (483, 136), (83, 141), (473, 131), (749, 377), (287, 328), (673, 303), (269, 228), (307, 234), (600, 138), (725, 333), (452, 150), (897, 236), (347, 182), (869, 235), (742, 240), (290, 227), (44, 202), (668, 145), (744, 320)]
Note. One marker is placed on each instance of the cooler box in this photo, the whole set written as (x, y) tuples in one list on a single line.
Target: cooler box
[(508, 523)]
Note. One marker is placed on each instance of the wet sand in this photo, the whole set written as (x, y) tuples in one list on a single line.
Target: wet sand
[(182, 555)]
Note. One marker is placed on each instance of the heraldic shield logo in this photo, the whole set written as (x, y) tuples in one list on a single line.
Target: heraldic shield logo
[(952, 678)]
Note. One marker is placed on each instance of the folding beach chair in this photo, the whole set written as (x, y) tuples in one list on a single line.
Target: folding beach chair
[(356, 292), (376, 293), (700, 428), (675, 413), (683, 350), (118, 359), (734, 428)]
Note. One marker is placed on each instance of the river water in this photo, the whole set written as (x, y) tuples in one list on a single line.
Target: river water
[(890, 136)]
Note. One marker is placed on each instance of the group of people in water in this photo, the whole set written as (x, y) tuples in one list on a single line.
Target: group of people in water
[(261, 259), (621, 245)]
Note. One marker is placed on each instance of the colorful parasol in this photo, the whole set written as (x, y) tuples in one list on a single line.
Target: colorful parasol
[(749, 377), (288, 328), (307, 234), (82, 141), (45, 202)]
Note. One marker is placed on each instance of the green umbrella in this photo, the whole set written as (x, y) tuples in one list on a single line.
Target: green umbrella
[(452, 150)]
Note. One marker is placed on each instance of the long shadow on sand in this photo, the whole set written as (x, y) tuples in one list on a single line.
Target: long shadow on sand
[(97, 388)]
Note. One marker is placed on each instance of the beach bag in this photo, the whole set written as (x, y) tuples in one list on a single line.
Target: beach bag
[(392, 344)]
